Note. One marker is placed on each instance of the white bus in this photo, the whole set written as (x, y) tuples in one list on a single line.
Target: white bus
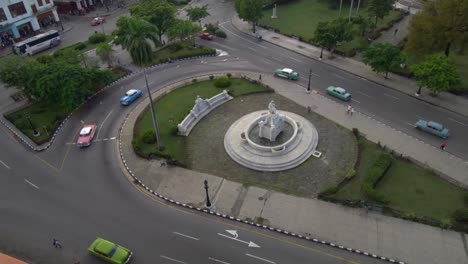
[(37, 43)]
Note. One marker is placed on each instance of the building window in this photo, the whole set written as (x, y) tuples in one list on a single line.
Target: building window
[(47, 1), (17, 9), (2, 15), (39, 3)]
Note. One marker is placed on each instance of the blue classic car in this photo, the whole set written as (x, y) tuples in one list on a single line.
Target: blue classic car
[(432, 128), (130, 96)]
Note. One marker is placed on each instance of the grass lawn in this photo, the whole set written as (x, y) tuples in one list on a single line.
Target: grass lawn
[(172, 109), (87, 45), (411, 189), (180, 50), (301, 17)]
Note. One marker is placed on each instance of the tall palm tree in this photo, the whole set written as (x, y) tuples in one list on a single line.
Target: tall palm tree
[(134, 34)]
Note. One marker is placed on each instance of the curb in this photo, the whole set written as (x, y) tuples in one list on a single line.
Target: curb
[(46, 145), (138, 182)]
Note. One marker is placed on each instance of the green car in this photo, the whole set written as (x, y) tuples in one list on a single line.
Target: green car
[(339, 93), (287, 73), (110, 252)]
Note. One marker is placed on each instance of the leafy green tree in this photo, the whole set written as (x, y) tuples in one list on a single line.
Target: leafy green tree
[(250, 10), (441, 24), (105, 52), (329, 34), (382, 57), (183, 29), (196, 14), (160, 13), (380, 8), (134, 34), (436, 73)]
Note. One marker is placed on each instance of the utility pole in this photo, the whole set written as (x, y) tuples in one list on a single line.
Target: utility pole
[(153, 114), (308, 85), (208, 203)]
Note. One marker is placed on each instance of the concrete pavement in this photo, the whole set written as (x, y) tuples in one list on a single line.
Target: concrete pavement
[(369, 232)]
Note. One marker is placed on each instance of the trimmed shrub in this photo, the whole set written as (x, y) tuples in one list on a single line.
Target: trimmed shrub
[(461, 215), (136, 145), (174, 130), (210, 28), (79, 46), (176, 46), (376, 172), (148, 137), (97, 38), (220, 34), (211, 77), (194, 80), (222, 82), (229, 75)]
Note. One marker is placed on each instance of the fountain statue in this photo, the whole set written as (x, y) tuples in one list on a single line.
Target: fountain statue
[(272, 125)]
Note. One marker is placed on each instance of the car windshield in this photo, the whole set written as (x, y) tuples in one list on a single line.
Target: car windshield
[(130, 93), (112, 252), (85, 131)]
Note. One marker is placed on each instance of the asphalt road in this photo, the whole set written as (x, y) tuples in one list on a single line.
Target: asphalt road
[(75, 194)]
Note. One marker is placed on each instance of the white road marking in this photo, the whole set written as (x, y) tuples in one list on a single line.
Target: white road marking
[(175, 260), (364, 94), (5, 164), (243, 38), (294, 59), (112, 138), (187, 236), (219, 261), (354, 100), (102, 124), (391, 96), (249, 243), (261, 46), (32, 184), (315, 74), (266, 260), (71, 143), (456, 121), (222, 23), (409, 124)]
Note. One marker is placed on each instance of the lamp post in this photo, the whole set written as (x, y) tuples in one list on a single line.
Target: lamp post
[(418, 92), (35, 132), (208, 203), (308, 85), (153, 114), (321, 53)]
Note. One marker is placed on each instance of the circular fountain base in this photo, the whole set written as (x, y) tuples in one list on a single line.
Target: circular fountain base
[(292, 153)]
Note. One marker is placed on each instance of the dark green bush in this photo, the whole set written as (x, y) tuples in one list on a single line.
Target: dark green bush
[(148, 137), (136, 145), (44, 59), (79, 46), (211, 77), (176, 46), (330, 190), (222, 82), (97, 38), (220, 34), (356, 132), (229, 75), (174, 130), (376, 172), (210, 28), (461, 215)]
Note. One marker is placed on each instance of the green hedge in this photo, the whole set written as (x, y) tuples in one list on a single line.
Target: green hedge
[(461, 215), (376, 172), (189, 54), (222, 82)]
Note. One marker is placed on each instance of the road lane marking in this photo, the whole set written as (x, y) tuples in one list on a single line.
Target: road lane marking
[(244, 38), (5, 164), (219, 261), (391, 96), (32, 184), (234, 233), (266, 260), (102, 124), (364, 94), (316, 74), (187, 236), (354, 100), (409, 124), (250, 48), (456, 121), (175, 260)]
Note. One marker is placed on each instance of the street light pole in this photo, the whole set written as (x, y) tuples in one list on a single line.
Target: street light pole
[(35, 132), (321, 53), (308, 85), (208, 203), (418, 92), (153, 114)]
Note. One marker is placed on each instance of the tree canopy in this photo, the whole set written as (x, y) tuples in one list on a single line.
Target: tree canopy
[(382, 57), (441, 24), (196, 14), (105, 52), (183, 29), (250, 10), (161, 14), (380, 8), (436, 73), (329, 34)]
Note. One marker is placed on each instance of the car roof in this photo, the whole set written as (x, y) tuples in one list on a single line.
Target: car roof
[(85, 130), (104, 246), (131, 91), (340, 90), (287, 70), (435, 125)]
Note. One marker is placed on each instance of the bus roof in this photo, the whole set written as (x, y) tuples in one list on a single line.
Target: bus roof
[(50, 32), (5, 259)]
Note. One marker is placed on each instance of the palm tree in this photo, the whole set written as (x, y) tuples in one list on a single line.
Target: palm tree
[(105, 52), (133, 35)]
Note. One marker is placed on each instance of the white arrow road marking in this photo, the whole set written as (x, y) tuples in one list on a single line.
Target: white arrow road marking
[(266, 260), (175, 260), (463, 124), (5, 164), (102, 124), (249, 243), (391, 96), (32, 184), (219, 261), (233, 232), (187, 236)]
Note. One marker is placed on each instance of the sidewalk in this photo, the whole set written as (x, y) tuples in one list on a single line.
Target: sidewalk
[(447, 101), (369, 232)]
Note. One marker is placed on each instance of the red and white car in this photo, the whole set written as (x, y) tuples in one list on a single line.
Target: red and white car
[(86, 135), (207, 36), (97, 21)]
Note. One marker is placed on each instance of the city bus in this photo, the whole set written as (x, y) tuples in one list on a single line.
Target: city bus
[(37, 43)]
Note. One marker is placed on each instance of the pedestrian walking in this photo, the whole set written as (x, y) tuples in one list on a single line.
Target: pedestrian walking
[(56, 243), (348, 109), (395, 32), (351, 111), (443, 145)]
